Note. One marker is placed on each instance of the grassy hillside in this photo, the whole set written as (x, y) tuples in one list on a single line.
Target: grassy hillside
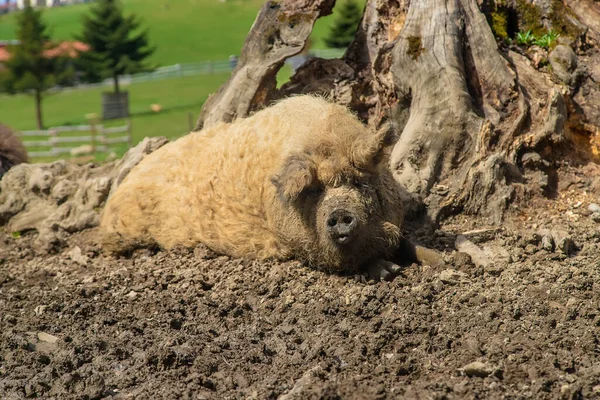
[(182, 31), (178, 97)]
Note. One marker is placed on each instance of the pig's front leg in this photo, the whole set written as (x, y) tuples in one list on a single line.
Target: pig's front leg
[(382, 270)]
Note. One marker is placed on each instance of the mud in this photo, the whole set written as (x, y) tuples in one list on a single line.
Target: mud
[(523, 323)]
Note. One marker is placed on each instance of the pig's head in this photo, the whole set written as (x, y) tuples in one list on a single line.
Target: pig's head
[(341, 205)]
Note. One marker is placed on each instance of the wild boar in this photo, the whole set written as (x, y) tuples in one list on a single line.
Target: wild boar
[(12, 150), (303, 178)]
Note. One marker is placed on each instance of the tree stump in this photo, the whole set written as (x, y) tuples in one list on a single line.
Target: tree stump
[(482, 119)]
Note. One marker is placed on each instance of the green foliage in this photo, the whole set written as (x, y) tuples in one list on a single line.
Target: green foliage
[(546, 41), (525, 38), (29, 69), (15, 235), (344, 27), (117, 46)]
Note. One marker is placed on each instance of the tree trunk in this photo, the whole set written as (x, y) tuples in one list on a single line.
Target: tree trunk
[(280, 31), (38, 109), (116, 83), (482, 121)]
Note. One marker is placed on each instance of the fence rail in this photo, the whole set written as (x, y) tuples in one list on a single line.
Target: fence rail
[(100, 139), (191, 69)]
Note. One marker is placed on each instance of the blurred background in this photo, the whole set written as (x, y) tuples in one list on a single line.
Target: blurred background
[(91, 78)]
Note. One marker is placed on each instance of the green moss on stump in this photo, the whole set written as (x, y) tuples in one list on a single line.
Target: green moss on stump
[(414, 47), (530, 18), (560, 23), (499, 23)]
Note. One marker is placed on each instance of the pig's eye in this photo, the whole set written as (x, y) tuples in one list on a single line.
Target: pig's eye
[(362, 185), (313, 191)]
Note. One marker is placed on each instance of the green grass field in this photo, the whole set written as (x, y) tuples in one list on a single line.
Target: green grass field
[(182, 31), (178, 97)]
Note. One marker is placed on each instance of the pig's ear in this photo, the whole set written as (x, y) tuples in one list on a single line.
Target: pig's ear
[(369, 151), (296, 175)]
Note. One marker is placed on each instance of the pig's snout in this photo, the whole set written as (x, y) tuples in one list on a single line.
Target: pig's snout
[(341, 226)]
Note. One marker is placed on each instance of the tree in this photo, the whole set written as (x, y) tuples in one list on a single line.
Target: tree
[(344, 28), (29, 69), (117, 46), (482, 121)]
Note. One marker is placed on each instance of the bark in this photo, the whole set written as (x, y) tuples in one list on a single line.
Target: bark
[(481, 123), (116, 83), (279, 31)]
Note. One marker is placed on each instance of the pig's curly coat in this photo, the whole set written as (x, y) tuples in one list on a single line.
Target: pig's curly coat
[(236, 187), (12, 151)]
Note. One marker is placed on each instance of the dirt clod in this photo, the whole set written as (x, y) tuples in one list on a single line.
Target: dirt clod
[(190, 323)]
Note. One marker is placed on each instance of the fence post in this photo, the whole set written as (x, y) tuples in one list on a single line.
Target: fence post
[(93, 134), (129, 139), (53, 141)]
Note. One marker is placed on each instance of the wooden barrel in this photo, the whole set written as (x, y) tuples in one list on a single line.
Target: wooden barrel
[(115, 105)]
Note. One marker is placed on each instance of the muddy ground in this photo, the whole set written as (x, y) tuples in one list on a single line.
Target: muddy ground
[(520, 322)]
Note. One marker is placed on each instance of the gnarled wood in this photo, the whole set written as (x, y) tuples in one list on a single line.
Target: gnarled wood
[(479, 124), (280, 31)]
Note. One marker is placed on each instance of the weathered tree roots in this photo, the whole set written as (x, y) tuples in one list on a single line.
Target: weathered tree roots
[(59, 198), (479, 125)]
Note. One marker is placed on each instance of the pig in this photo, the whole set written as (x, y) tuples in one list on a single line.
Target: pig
[(303, 178), (12, 150)]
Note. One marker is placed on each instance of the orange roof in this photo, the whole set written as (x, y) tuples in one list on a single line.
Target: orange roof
[(4, 54), (68, 49)]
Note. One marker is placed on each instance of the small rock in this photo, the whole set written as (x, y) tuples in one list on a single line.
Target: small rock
[(46, 337), (531, 160), (131, 295), (595, 217), (499, 254), (593, 207), (564, 62), (479, 369), (452, 276), (478, 256), (39, 310), (75, 255), (548, 243), (287, 329), (564, 389), (563, 241), (596, 389)]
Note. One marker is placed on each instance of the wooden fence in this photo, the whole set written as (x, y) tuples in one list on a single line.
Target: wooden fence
[(61, 140)]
